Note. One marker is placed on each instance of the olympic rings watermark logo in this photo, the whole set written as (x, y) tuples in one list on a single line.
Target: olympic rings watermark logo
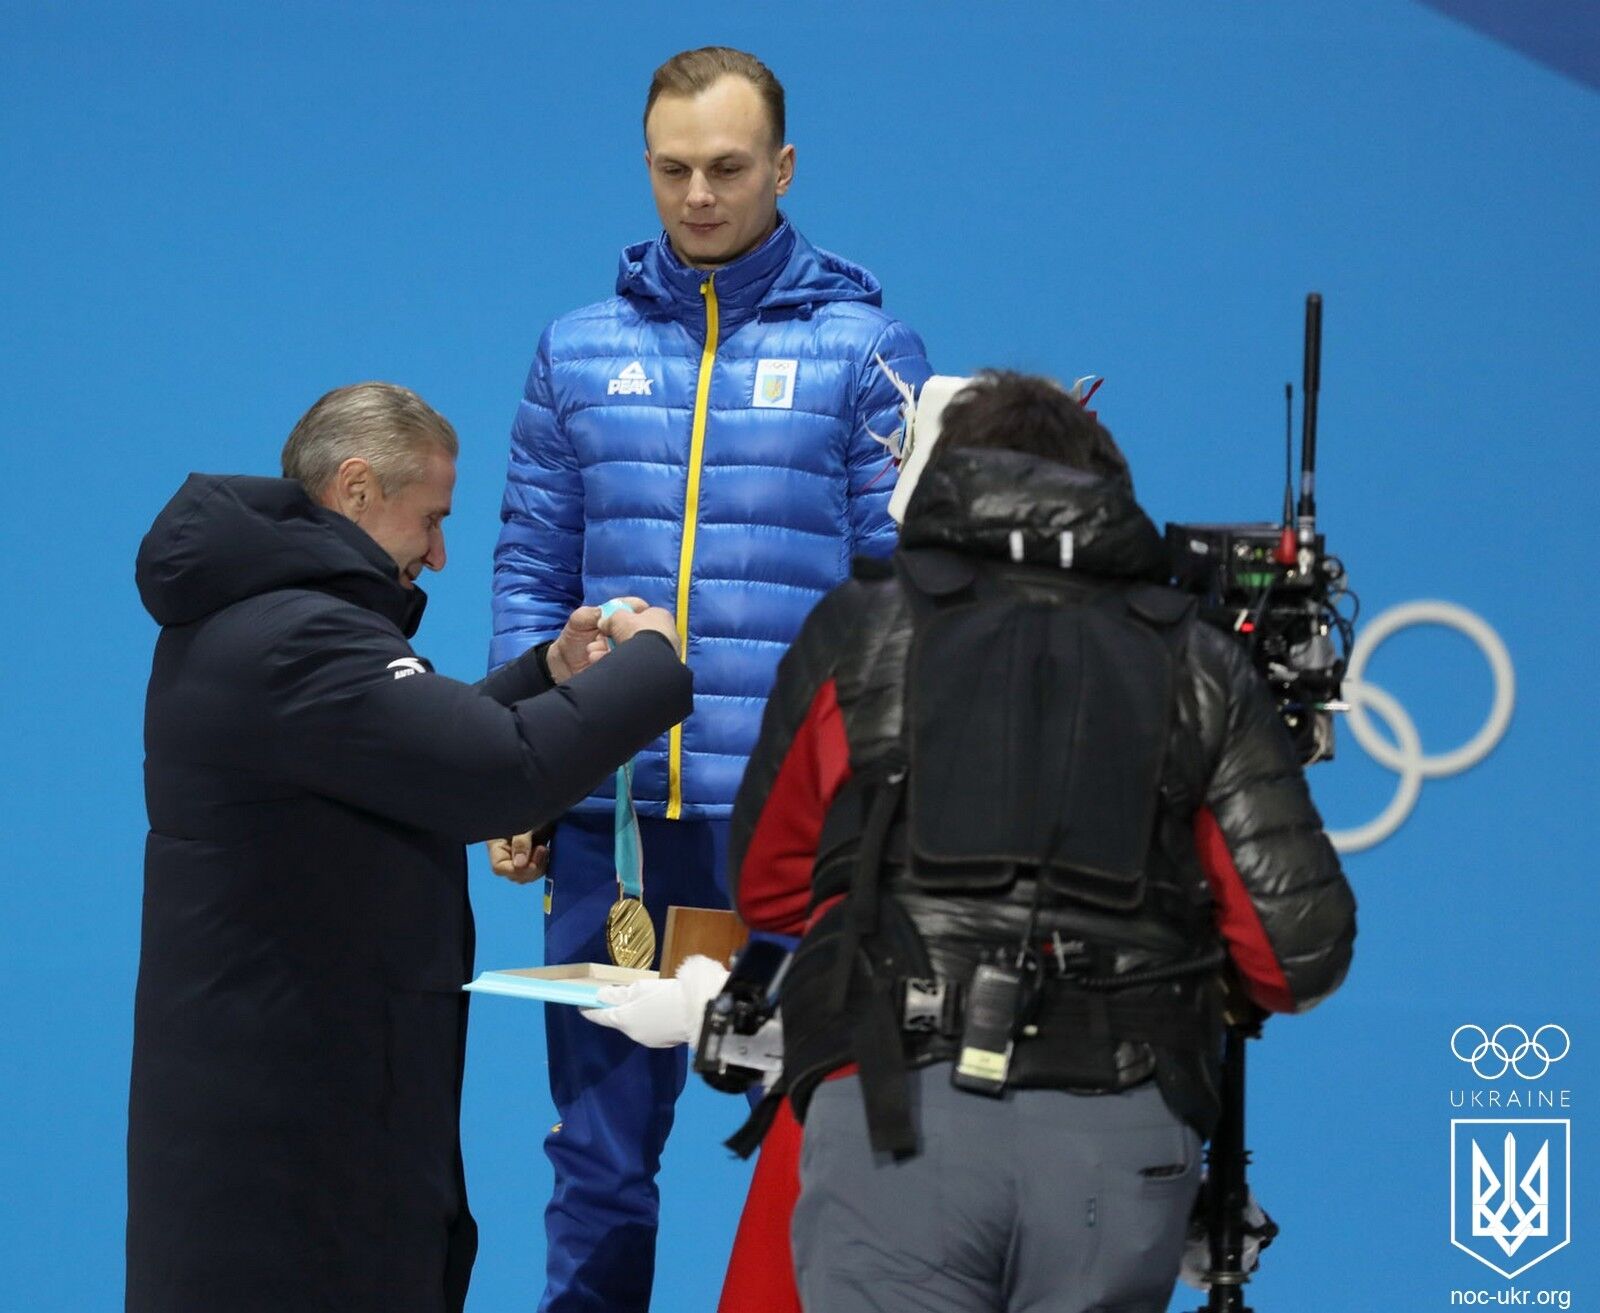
[(1510, 1048), (1404, 755)]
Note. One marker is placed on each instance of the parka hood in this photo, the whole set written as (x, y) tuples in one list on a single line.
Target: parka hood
[(983, 500), (223, 538)]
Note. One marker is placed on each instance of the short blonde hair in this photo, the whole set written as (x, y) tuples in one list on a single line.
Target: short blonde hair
[(388, 426), (692, 71)]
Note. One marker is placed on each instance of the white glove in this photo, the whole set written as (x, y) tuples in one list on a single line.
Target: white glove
[(661, 1013)]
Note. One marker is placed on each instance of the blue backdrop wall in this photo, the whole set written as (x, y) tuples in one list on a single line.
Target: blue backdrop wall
[(215, 212)]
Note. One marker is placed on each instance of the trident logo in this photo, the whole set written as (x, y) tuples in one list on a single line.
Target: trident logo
[(1517, 1179), (1493, 1197)]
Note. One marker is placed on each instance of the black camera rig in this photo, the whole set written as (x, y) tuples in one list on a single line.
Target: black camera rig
[(1276, 586), (1279, 590)]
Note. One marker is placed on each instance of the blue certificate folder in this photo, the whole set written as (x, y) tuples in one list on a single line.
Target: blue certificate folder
[(578, 983)]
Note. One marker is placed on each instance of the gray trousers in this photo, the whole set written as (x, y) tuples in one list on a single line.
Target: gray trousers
[(1040, 1202)]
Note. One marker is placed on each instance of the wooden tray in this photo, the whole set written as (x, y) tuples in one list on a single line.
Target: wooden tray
[(577, 983)]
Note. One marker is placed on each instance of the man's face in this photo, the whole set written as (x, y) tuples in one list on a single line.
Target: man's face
[(408, 523), (715, 171)]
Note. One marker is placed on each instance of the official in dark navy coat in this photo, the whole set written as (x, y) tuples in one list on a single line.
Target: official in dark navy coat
[(293, 1138)]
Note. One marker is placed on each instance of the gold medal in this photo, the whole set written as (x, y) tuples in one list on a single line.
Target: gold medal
[(630, 938)]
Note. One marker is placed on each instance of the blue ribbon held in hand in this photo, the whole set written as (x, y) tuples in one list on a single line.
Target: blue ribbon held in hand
[(630, 937)]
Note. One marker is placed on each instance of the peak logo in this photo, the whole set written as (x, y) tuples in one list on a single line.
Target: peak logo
[(631, 382)]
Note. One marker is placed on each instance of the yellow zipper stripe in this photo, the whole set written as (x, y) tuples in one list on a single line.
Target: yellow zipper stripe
[(691, 515)]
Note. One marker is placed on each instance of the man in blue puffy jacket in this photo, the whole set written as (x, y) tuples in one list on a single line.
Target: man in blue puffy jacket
[(703, 439)]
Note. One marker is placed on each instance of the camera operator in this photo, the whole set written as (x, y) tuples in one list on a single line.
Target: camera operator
[(1023, 805)]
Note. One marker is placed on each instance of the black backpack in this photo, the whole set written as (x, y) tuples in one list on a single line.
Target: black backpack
[(1038, 709)]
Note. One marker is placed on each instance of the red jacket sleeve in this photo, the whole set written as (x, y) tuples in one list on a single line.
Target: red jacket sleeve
[(801, 759), (775, 876), (1282, 904), (1237, 920)]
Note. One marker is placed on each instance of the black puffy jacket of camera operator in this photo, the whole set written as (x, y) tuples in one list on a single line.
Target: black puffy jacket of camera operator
[(1234, 852), (299, 1023)]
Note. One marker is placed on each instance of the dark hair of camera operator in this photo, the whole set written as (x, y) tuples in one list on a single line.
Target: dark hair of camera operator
[(1033, 415), (1015, 750)]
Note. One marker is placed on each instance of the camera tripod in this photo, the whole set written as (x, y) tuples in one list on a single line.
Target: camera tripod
[(1226, 1194)]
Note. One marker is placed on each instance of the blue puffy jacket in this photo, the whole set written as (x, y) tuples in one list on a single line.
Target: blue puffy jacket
[(702, 440)]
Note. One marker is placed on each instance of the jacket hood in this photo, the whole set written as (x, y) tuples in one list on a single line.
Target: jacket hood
[(785, 271), (979, 500), (223, 538)]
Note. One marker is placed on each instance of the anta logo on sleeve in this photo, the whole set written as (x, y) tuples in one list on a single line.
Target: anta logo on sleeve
[(404, 666), (631, 382)]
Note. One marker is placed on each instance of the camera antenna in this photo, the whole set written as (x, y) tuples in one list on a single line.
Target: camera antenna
[(1307, 511), (1286, 552), (1288, 453)]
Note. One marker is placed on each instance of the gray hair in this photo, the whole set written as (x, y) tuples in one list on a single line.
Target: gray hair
[(388, 426)]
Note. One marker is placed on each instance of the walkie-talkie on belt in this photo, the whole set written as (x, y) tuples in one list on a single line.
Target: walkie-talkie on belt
[(988, 1030)]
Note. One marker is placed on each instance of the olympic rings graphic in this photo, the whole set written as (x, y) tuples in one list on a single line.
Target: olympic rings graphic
[(1405, 756), (1493, 1047)]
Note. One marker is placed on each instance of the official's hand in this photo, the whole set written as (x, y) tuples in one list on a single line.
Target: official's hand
[(571, 651), (519, 859), (620, 626)]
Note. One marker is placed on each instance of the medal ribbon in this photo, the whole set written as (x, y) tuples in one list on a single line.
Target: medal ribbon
[(628, 854)]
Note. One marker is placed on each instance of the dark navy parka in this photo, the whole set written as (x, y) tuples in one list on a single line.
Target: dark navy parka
[(299, 1023)]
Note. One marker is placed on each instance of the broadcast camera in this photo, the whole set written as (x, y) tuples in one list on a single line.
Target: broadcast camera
[(1276, 586)]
